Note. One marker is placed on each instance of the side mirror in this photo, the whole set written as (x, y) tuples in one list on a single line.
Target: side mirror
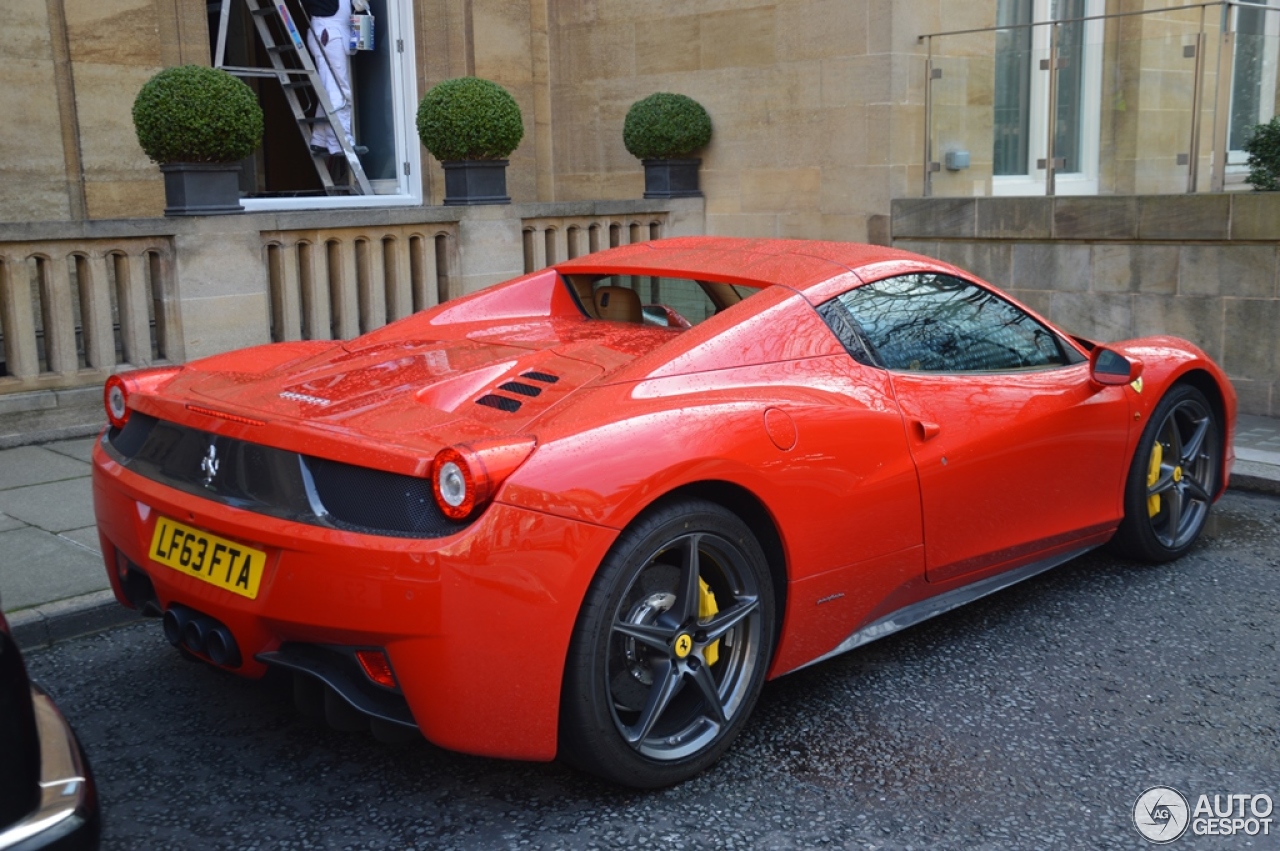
[(1109, 367)]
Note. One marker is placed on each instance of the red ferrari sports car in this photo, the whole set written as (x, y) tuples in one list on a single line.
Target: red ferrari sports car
[(587, 513)]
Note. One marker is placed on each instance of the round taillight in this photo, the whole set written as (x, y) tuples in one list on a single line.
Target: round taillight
[(454, 485), (464, 478), (116, 398)]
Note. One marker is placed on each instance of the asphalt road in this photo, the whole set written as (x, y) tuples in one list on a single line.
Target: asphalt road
[(1031, 719)]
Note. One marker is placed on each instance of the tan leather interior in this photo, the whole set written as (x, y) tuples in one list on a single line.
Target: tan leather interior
[(618, 304), (582, 286)]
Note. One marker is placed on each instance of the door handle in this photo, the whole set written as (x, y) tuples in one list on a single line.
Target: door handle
[(927, 430)]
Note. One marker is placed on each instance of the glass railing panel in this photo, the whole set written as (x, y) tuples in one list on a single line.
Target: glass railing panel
[(1129, 107), (1146, 104), (962, 130)]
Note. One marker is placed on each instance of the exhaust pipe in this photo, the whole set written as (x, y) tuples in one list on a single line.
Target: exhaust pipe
[(195, 635), (221, 647), (200, 634), (175, 623)]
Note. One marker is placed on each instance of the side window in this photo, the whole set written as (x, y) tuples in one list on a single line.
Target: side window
[(940, 323)]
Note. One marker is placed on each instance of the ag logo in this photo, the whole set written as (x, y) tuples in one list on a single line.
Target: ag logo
[(1160, 814)]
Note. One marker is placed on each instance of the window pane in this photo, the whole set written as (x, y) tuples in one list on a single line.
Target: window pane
[(938, 323), (1246, 85), (1067, 127), (1012, 87), (682, 297)]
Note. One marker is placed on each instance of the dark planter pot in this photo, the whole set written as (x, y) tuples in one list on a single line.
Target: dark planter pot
[(671, 178), (475, 182), (201, 189)]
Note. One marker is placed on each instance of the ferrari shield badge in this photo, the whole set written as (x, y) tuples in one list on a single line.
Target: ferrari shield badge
[(209, 465)]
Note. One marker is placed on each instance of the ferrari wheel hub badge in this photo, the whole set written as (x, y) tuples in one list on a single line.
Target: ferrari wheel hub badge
[(1177, 474), (683, 645)]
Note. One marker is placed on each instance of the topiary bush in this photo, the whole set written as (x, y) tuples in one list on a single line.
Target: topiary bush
[(469, 119), (1263, 148), (195, 114), (665, 126)]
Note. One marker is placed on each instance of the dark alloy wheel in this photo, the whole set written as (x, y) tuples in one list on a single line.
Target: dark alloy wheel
[(670, 649), (1172, 481)]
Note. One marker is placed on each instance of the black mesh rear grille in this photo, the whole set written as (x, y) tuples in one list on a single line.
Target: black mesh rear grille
[(544, 377), (279, 483), (235, 472), (363, 498)]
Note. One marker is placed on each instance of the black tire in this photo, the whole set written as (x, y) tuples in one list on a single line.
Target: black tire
[(1173, 478), (656, 690)]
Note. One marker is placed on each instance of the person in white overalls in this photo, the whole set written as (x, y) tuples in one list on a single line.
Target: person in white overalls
[(327, 40)]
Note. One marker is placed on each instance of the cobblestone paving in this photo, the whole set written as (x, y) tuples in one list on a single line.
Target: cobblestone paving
[(1031, 719)]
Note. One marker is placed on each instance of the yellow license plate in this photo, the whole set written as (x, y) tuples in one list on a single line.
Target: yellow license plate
[(215, 560)]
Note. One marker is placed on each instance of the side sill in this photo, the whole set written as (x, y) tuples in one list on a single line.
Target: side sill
[(945, 602)]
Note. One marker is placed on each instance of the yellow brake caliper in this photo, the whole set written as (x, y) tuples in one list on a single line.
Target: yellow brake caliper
[(1153, 476), (707, 609)]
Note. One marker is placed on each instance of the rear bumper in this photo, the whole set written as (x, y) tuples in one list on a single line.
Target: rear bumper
[(67, 814), (476, 625)]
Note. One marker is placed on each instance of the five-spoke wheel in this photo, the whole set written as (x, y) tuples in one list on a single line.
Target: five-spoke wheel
[(1175, 474), (670, 649)]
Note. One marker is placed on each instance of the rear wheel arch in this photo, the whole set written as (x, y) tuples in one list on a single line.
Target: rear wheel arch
[(747, 506)]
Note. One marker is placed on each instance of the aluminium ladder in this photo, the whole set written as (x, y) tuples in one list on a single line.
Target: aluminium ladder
[(297, 77)]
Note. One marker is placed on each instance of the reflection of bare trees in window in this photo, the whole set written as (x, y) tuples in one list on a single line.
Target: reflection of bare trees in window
[(938, 323)]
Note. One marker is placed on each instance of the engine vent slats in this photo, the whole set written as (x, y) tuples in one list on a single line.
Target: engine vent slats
[(520, 388), (502, 403), (517, 388)]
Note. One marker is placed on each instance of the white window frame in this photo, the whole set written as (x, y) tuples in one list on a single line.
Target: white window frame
[(1084, 182), (404, 91)]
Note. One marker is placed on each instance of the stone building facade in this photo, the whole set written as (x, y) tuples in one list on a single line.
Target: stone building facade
[(816, 104), (825, 114)]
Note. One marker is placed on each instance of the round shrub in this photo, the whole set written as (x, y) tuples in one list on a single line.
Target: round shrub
[(195, 114), (1263, 148), (469, 119), (665, 126)]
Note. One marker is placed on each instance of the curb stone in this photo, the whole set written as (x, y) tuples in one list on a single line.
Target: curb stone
[(45, 625)]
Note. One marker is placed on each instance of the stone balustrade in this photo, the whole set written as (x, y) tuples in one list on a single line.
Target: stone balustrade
[(80, 300), (335, 284), (74, 310), (550, 239)]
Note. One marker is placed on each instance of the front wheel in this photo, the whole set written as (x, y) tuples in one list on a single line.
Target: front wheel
[(671, 648), (1174, 475)]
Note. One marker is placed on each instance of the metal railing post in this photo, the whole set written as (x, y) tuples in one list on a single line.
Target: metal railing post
[(1050, 162), (1222, 102), (1197, 94), (928, 118)]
